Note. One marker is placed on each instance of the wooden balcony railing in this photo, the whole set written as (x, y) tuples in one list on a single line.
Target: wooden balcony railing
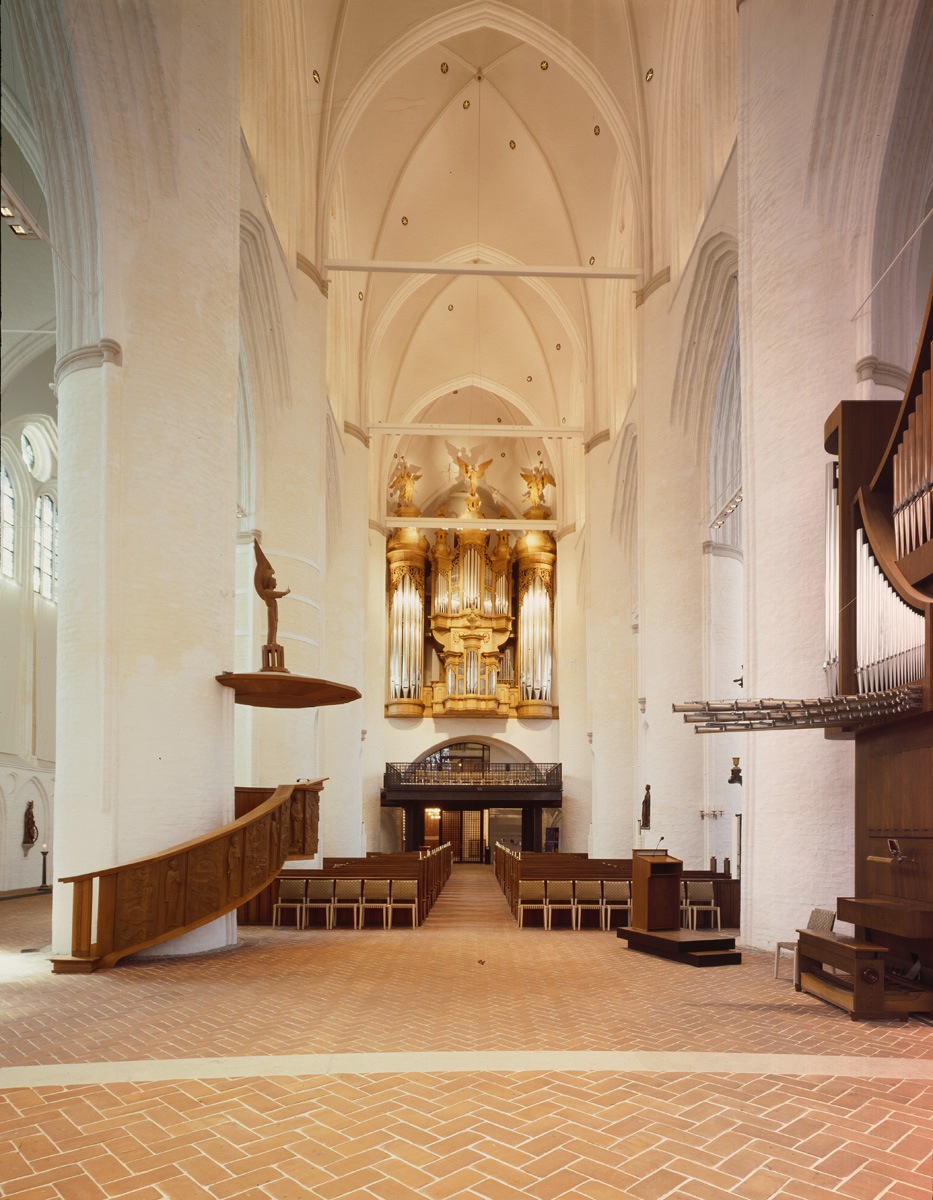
[(519, 774), (123, 909)]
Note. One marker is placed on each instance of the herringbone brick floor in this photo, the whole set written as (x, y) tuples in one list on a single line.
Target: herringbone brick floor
[(468, 980)]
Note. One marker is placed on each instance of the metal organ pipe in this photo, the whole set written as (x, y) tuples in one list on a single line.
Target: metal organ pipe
[(405, 653), (889, 633), (502, 595), (831, 664), (913, 480), (535, 642), (472, 577)]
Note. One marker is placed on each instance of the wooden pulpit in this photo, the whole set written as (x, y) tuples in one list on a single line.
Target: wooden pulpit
[(655, 890)]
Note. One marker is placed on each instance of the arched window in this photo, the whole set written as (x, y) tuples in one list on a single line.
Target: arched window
[(45, 562), (8, 521)]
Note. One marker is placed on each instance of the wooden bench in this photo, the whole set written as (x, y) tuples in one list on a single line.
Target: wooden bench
[(512, 866), (863, 989)]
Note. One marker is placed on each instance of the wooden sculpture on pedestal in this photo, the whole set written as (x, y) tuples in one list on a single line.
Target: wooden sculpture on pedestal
[(273, 655)]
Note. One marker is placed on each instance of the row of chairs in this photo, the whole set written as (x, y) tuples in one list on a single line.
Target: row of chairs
[(606, 896), (356, 896)]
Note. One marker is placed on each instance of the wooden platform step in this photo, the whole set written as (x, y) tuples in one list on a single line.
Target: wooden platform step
[(697, 947), (712, 958)]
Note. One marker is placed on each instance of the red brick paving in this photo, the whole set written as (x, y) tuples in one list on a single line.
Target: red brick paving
[(467, 980)]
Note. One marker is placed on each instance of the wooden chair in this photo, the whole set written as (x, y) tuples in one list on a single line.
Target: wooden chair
[(375, 895), (531, 895), (617, 897), (700, 899), (821, 920), (404, 894), (587, 896), (320, 894), (347, 897), (291, 896), (559, 894)]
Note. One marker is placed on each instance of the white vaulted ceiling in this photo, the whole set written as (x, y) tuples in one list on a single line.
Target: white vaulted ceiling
[(486, 132)]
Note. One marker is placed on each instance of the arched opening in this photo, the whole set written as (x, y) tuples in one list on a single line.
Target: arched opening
[(473, 792)]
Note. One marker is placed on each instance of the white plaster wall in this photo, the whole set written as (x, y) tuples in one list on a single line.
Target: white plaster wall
[(28, 624), (602, 591), (725, 646), (570, 732), (343, 813), (797, 293), (670, 610), (18, 786), (148, 477)]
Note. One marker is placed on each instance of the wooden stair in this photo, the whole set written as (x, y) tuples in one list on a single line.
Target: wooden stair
[(697, 947)]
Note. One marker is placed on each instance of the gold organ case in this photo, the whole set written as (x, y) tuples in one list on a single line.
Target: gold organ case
[(491, 638)]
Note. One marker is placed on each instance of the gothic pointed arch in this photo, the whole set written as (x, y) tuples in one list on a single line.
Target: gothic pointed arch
[(708, 324), (67, 170)]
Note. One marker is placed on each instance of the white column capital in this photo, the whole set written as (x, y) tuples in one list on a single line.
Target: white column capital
[(105, 351)]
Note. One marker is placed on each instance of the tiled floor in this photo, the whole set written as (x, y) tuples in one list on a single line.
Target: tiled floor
[(463, 1059)]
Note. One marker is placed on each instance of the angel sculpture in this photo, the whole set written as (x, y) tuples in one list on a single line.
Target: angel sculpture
[(537, 480), (264, 580), (466, 461), (404, 483)]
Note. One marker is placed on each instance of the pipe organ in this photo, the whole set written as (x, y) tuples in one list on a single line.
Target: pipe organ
[(486, 615), (406, 554)]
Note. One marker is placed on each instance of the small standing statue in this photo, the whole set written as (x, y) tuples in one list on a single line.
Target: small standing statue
[(537, 478), (472, 471), (645, 821), (273, 656), (404, 483), (30, 829)]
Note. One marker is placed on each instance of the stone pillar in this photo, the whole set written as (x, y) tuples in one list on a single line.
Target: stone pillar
[(797, 294), (147, 476), (612, 710)]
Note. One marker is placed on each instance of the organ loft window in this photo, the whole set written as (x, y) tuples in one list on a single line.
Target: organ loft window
[(8, 521), (45, 561)]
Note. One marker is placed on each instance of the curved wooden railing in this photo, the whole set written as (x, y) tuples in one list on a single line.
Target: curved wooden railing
[(123, 909)]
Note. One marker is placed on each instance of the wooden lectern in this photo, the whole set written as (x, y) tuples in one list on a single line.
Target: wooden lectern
[(655, 890)]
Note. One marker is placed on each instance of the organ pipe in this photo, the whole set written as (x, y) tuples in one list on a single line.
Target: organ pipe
[(913, 480), (406, 555), (536, 554), (889, 633), (831, 663)]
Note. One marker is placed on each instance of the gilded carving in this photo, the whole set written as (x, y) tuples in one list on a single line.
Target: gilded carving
[(398, 570), (404, 484), (533, 571)]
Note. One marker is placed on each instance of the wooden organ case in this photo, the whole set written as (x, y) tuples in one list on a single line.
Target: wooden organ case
[(880, 642)]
